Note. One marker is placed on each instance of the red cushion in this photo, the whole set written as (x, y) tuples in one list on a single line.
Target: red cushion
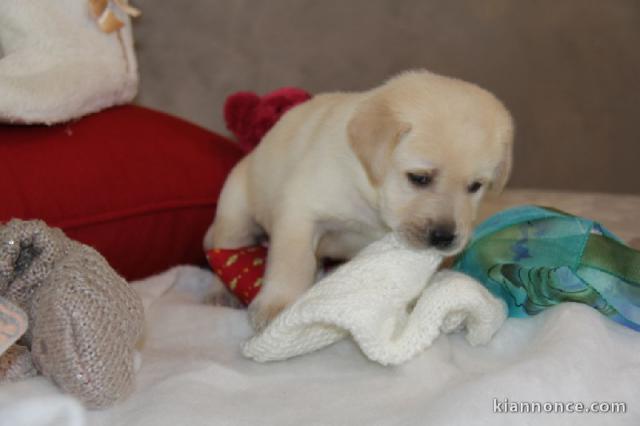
[(138, 185)]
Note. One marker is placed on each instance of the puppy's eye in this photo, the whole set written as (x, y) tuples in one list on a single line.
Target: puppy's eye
[(420, 179), (474, 187)]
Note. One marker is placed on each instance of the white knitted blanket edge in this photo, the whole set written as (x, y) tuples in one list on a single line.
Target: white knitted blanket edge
[(371, 297)]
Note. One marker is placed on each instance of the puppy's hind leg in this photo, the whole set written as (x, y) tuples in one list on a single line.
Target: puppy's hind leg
[(234, 225)]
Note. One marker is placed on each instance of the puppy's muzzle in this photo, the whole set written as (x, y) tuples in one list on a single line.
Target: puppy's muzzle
[(442, 237)]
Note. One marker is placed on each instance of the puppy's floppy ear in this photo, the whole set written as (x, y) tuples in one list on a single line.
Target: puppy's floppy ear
[(503, 171), (373, 134)]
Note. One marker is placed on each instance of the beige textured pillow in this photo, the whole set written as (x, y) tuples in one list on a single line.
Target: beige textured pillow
[(59, 62)]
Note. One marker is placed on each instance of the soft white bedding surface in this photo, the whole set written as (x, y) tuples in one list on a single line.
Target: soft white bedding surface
[(193, 373)]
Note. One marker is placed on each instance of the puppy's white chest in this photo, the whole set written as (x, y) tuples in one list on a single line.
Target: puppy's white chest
[(344, 239)]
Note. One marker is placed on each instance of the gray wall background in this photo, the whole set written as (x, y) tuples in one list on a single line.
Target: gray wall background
[(569, 70)]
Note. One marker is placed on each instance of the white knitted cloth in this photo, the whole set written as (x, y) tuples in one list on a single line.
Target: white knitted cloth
[(370, 298)]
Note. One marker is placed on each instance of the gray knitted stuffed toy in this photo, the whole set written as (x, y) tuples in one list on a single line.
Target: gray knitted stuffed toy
[(83, 318)]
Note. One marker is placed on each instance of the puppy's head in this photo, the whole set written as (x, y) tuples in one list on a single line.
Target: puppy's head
[(432, 147)]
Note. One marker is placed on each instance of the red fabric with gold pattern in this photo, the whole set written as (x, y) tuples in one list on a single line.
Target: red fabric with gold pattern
[(240, 270)]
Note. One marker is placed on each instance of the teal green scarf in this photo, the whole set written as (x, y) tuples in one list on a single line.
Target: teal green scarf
[(535, 257)]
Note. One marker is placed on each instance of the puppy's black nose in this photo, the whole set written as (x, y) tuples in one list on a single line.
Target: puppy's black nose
[(442, 237)]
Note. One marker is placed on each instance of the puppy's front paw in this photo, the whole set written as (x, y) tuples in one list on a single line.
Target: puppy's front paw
[(262, 311)]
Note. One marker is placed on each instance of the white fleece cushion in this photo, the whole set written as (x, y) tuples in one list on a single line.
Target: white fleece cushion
[(56, 63), (370, 298)]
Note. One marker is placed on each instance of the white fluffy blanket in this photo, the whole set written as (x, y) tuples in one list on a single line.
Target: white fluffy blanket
[(193, 373), (56, 64), (370, 298)]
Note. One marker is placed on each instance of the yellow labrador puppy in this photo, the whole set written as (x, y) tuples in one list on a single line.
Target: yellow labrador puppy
[(415, 156)]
